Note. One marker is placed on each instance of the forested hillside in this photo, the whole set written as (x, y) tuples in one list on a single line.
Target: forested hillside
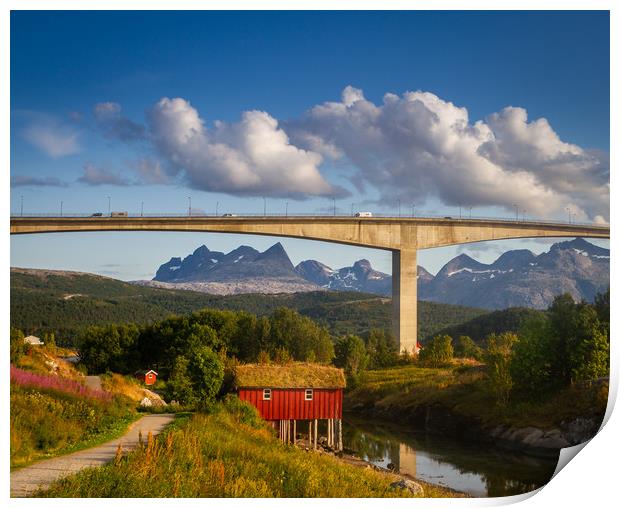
[(499, 321), (66, 303)]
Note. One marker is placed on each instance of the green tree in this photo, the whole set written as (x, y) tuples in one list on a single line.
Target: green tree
[(300, 336), (465, 347), (498, 357), (110, 348), (179, 386), (438, 351), (601, 304), (206, 372), (590, 355), (351, 355), (531, 368), (382, 349)]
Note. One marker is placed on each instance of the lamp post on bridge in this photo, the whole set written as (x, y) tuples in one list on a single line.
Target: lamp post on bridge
[(189, 210), (286, 209), (142, 209), (399, 208), (217, 206), (109, 205), (470, 212), (412, 210), (61, 208), (334, 199), (264, 206), (516, 211)]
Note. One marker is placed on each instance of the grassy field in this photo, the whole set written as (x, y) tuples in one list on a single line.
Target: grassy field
[(229, 453), (53, 413), (460, 388), (47, 422)]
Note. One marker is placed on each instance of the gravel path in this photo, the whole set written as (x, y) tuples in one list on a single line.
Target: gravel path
[(26, 481)]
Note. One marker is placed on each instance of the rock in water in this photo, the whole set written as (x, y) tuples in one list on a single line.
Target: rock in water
[(413, 487)]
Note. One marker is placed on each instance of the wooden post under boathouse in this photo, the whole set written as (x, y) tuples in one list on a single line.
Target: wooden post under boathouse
[(293, 393)]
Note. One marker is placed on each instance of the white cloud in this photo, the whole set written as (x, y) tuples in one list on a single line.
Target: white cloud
[(253, 156), (54, 139), (418, 145), (98, 176)]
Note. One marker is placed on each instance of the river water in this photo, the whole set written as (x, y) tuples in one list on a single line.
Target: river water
[(479, 470)]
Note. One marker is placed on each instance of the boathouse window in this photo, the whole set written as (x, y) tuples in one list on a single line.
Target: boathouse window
[(309, 394), (267, 394)]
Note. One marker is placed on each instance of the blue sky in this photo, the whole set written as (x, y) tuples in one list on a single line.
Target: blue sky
[(293, 106)]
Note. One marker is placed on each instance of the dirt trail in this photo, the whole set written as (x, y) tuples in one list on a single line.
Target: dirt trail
[(26, 481)]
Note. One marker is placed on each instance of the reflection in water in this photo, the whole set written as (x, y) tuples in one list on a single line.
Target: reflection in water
[(477, 469)]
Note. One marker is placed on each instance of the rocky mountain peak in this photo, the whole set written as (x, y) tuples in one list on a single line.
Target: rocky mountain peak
[(514, 259), (276, 254), (580, 246), (201, 251), (362, 264)]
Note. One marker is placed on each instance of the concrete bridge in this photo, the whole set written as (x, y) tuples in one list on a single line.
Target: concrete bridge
[(402, 236)]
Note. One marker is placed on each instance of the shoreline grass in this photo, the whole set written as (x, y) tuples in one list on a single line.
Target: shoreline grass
[(460, 388)]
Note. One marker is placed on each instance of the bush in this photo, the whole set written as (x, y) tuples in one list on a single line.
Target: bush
[(465, 347), (243, 412), (437, 352)]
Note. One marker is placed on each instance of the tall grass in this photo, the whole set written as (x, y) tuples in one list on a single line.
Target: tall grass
[(45, 382), (228, 453), (50, 416)]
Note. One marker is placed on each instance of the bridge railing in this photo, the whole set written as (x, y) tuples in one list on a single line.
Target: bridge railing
[(197, 215)]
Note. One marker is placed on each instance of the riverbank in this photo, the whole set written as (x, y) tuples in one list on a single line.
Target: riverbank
[(453, 401), (230, 453)]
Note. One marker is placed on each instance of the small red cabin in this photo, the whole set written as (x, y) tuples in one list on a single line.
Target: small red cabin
[(148, 377), (294, 392)]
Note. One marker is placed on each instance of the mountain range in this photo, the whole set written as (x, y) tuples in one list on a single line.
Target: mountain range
[(516, 278)]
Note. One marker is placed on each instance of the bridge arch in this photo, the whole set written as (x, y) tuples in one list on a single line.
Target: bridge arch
[(402, 236)]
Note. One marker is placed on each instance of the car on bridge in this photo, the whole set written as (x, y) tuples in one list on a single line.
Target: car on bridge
[(363, 214)]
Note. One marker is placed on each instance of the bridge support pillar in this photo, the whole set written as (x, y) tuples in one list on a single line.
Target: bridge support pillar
[(405, 298)]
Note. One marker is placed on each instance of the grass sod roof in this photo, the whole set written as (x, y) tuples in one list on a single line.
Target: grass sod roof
[(292, 375)]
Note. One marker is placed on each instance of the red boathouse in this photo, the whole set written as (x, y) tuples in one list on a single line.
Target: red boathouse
[(287, 394)]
